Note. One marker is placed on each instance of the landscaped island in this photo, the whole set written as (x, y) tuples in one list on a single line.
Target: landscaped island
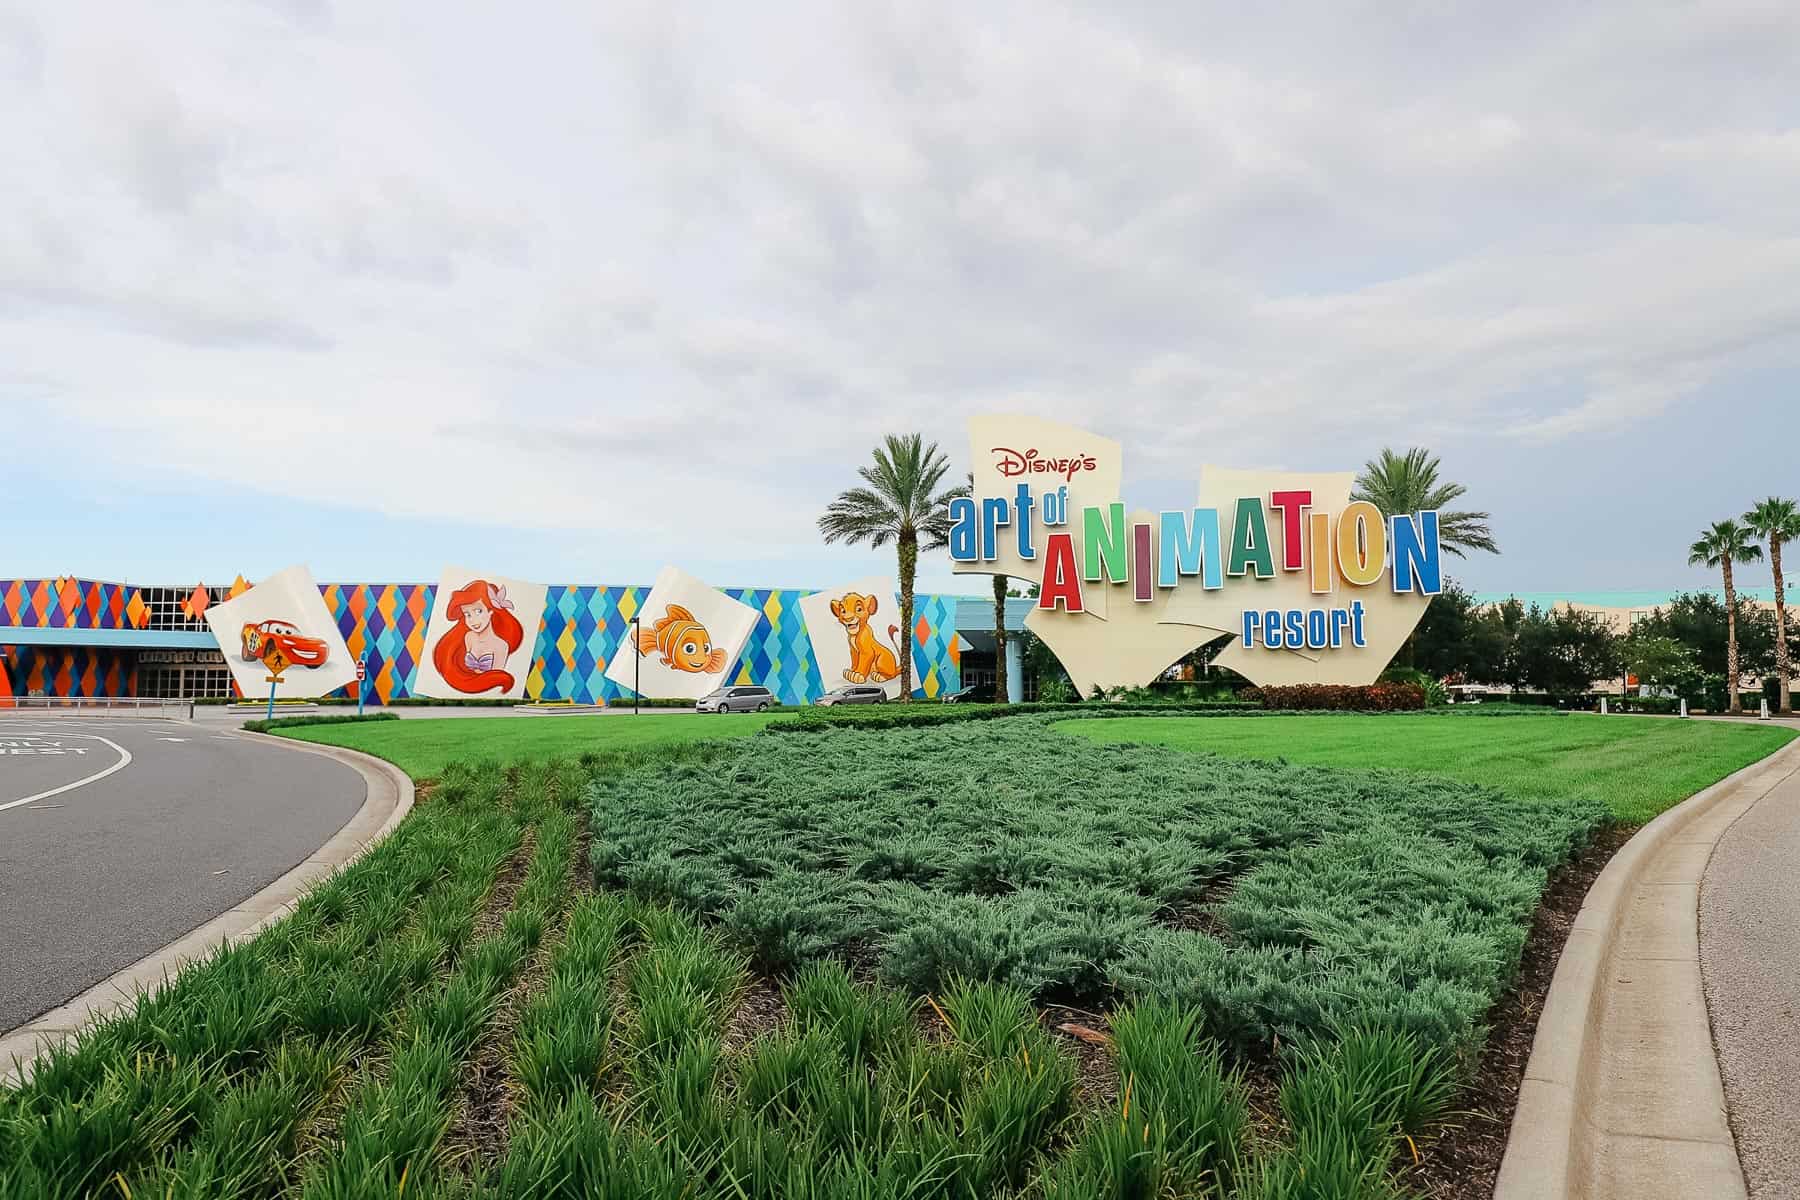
[(993, 958)]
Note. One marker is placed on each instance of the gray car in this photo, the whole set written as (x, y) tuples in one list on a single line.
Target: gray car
[(736, 699), (853, 694)]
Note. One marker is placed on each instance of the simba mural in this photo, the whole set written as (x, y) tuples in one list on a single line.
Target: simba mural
[(853, 633)]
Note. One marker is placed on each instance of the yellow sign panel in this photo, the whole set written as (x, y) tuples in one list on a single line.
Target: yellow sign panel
[(276, 660)]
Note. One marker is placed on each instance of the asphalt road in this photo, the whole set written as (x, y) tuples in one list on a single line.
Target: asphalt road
[(119, 835), (1750, 960)]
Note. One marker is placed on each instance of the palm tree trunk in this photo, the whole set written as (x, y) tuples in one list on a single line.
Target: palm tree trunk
[(1731, 649), (1001, 695), (909, 565), (1783, 664)]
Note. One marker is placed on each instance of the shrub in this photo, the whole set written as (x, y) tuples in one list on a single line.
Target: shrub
[(266, 726), (1376, 697), (997, 851), (918, 716)]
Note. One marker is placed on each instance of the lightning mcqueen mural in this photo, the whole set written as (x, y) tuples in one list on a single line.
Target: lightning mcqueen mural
[(303, 651)]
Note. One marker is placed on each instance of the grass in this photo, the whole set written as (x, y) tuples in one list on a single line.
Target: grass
[(1637, 766), (423, 748), (458, 1014), (1280, 900), (335, 1056)]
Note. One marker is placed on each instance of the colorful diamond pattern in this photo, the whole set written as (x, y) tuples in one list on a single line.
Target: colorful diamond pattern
[(582, 627)]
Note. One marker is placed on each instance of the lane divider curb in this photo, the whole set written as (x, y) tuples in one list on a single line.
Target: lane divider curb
[(1622, 1095), (387, 798)]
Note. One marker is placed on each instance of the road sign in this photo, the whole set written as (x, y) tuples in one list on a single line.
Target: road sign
[(362, 670), (276, 659)]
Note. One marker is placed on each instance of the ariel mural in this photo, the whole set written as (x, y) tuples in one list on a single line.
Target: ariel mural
[(480, 639)]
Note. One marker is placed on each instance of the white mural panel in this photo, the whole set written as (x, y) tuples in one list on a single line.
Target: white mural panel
[(481, 637), (855, 633), (285, 612), (689, 637)]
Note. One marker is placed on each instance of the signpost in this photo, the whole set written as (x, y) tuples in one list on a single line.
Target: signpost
[(276, 661), (362, 673)]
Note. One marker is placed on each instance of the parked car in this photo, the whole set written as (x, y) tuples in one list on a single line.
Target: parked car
[(300, 649), (973, 694), (736, 699), (853, 694)]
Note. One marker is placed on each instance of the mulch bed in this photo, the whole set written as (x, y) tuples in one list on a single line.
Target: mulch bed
[(1463, 1161)]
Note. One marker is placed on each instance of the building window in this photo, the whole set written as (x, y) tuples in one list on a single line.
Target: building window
[(164, 605)]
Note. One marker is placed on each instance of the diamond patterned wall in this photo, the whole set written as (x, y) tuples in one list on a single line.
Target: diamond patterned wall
[(84, 671), (582, 626)]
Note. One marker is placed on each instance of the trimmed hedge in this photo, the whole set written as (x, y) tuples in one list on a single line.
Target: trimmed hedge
[(1376, 697), (1280, 900), (266, 726), (915, 716)]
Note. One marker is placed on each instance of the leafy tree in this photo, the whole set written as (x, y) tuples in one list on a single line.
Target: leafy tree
[(1776, 521), (1698, 621), (1408, 483), (1562, 651), (1657, 661), (1724, 544), (899, 503), (1459, 636)]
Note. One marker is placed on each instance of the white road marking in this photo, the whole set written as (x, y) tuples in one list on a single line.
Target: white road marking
[(169, 739), (124, 761)]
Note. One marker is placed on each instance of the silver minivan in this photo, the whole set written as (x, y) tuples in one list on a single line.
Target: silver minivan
[(853, 695), (736, 699)]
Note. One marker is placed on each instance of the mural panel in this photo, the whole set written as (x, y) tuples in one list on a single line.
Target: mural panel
[(482, 638), (855, 632), (688, 636), (282, 622)]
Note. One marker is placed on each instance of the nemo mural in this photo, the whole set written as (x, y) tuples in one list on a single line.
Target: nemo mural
[(687, 636), (682, 642)]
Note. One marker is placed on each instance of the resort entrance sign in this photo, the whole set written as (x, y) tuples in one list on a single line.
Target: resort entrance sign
[(1315, 587)]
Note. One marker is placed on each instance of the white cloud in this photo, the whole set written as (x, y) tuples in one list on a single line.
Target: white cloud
[(626, 250)]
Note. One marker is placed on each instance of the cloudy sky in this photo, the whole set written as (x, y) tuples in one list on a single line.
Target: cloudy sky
[(572, 290)]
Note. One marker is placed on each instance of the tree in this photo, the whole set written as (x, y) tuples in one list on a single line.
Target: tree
[(1657, 661), (1723, 545), (1001, 695), (1459, 636), (900, 503), (1000, 692), (1562, 651), (1408, 483), (1698, 620), (1776, 521)]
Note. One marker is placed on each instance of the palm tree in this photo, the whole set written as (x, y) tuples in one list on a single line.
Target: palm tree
[(1726, 543), (1001, 696), (901, 504), (1000, 693), (1408, 483), (1776, 521)]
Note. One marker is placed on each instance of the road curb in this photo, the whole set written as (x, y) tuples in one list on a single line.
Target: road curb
[(1622, 1095), (387, 798)]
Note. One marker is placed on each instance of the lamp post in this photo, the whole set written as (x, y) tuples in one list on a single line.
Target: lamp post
[(637, 667)]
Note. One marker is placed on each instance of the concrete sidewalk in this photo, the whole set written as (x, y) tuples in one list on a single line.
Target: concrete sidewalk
[(1750, 963)]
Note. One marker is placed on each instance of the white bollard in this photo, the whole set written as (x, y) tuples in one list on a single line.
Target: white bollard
[(1765, 710), (1603, 706), (1684, 708)]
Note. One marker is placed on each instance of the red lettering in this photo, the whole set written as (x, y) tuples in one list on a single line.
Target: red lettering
[(1291, 505), (1062, 581), (1011, 463)]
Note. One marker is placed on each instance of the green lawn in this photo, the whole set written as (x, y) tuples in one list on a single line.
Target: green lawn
[(422, 748), (1638, 766)]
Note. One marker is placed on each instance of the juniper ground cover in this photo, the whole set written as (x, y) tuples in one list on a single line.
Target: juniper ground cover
[(1280, 901)]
